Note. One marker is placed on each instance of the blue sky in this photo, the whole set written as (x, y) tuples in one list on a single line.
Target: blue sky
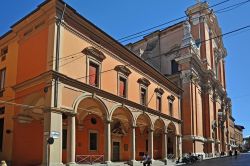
[(122, 18)]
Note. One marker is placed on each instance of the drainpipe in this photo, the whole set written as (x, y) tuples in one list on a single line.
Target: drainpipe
[(58, 23)]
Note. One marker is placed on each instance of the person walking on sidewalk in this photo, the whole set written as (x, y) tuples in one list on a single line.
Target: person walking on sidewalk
[(146, 160)]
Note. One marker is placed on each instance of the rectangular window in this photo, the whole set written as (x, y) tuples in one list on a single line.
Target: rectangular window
[(174, 66), (4, 51), (143, 96), (93, 141), (93, 74), (2, 110), (2, 78), (64, 141), (1, 133), (170, 108), (158, 103), (122, 87), (146, 145)]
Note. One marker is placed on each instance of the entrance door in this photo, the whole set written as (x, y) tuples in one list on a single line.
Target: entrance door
[(116, 151)]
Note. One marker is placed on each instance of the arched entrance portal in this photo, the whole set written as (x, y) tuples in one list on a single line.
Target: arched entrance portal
[(121, 127), (171, 140), (143, 136), (159, 128), (89, 133)]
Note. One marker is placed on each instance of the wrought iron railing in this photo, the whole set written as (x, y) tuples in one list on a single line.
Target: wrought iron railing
[(171, 156), (89, 159)]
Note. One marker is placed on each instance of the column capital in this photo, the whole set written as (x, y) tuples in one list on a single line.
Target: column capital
[(71, 114), (108, 121), (151, 129), (68, 112), (178, 135), (52, 109), (133, 126)]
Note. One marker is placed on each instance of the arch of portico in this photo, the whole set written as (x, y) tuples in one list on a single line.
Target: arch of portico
[(143, 135), (87, 130), (121, 129), (172, 140), (159, 144), (122, 124)]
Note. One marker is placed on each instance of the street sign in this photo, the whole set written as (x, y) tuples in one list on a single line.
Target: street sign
[(55, 134)]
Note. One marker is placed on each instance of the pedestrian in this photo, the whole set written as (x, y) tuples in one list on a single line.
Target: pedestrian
[(230, 153), (235, 152), (146, 160), (3, 163)]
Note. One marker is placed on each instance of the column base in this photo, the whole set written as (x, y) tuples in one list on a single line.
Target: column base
[(165, 160), (71, 164), (134, 163), (53, 164), (108, 163)]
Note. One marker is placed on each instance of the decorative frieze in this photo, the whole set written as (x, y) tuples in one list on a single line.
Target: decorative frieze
[(188, 76), (215, 95), (214, 125), (207, 88)]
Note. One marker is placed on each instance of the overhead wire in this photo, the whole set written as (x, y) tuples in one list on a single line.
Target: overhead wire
[(230, 32), (217, 11), (232, 7), (176, 19), (75, 54)]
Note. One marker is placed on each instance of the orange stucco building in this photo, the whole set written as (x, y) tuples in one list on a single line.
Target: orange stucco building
[(191, 53), (63, 77)]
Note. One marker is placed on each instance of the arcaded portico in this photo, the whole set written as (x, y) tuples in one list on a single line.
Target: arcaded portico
[(115, 132)]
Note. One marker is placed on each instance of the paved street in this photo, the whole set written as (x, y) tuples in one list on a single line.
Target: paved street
[(241, 160)]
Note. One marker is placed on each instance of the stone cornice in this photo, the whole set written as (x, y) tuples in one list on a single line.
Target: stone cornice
[(144, 81), (193, 138), (159, 91), (123, 69), (91, 51), (42, 78), (80, 85)]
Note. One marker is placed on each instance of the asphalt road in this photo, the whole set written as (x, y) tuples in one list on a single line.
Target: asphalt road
[(242, 159)]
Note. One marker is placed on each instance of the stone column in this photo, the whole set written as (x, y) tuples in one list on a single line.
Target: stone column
[(133, 161), (180, 146), (151, 143), (52, 154), (108, 142), (176, 147), (71, 140), (165, 139)]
